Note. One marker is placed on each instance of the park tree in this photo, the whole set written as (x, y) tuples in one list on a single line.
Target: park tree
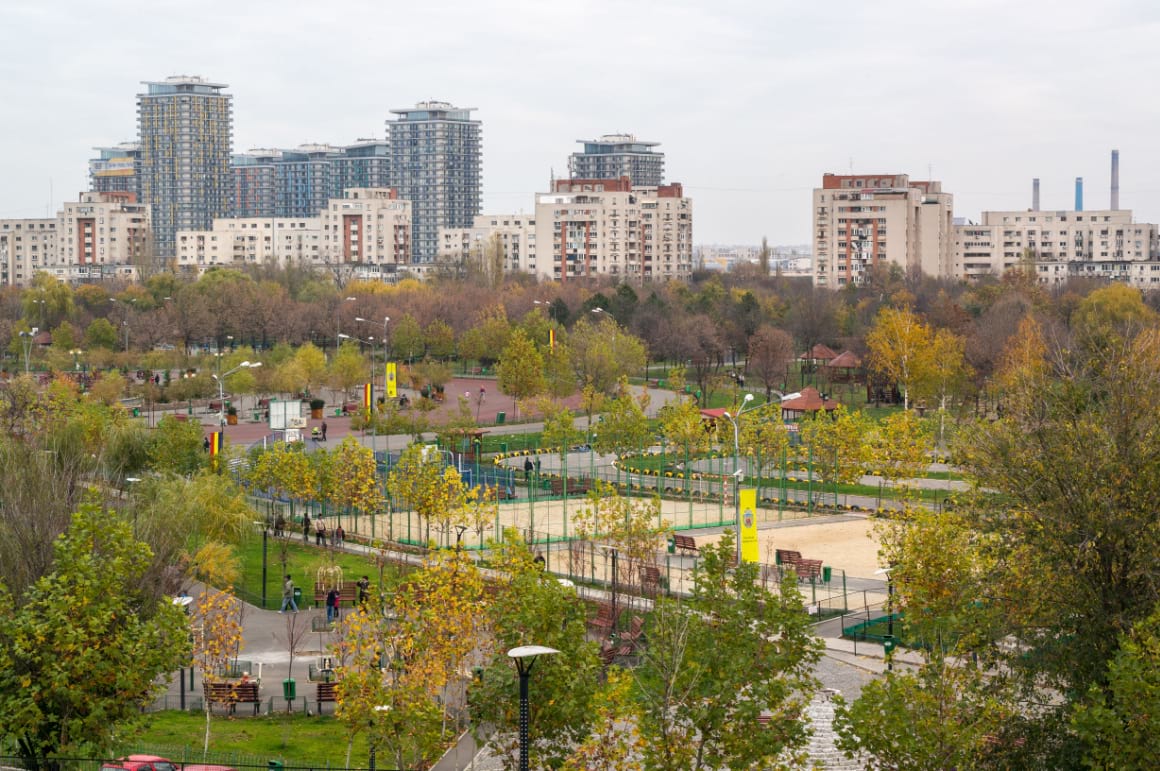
[(770, 353), (407, 339), (352, 480), (602, 353), (899, 344), (72, 682), (900, 449), (839, 445), (718, 661), (520, 372), (623, 426), (101, 334), (1121, 728), (945, 375), (615, 743), (531, 607), (311, 363), (348, 368), (439, 339), (434, 491), (762, 434), (176, 447), (559, 377), (487, 338), (216, 622)]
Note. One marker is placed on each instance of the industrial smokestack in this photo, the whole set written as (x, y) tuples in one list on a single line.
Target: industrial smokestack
[(1035, 194), (1115, 180), (1079, 193)]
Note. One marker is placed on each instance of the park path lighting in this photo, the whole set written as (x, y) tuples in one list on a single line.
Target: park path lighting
[(26, 344), (525, 657), (737, 469), (221, 381), (386, 353), (76, 364), (337, 310)]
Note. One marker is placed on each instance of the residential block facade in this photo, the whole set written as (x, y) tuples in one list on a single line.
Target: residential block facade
[(117, 169), (864, 220), (1060, 245), (590, 227), (513, 236), (100, 236)]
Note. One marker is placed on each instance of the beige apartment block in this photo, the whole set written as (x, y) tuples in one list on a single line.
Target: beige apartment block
[(864, 220), (510, 237), (592, 227), (367, 226), (365, 234), (237, 242), (101, 236), (1060, 245)]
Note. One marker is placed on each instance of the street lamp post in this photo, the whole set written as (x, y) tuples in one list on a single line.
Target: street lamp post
[(737, 469), (76, 364), (888, 645), (221, 381), (26, 343), (386, 353), (337, 329), (525, 657)]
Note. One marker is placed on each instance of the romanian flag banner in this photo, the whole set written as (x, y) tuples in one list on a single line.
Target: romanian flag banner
[(368, 396), (215, 443)]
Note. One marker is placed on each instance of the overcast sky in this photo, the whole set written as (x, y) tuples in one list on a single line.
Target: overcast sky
[(752, 101)]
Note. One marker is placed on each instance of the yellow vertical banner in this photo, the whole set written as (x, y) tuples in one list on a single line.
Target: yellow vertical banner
[(749, 548), (552, 339), (215, 443), (391, 390), (368, 396)]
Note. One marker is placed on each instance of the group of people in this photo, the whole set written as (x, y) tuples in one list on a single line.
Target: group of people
[(529, 467), (333, 597), (336, 537), (318, 433)]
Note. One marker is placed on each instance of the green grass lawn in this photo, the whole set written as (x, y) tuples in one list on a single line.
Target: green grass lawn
[(302, 564), (298, 740)]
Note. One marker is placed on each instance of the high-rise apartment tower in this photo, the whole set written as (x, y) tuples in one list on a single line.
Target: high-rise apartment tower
[(185, 129), (613, 156), (435, 164)]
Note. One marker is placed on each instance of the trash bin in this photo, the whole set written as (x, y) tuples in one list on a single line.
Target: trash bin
[(289, 689), (660, 384), (688, 389), (827, 573), (274, 765), (672, 545), (503, 446), (297, 597), (257, 415), (136, 412), (500, 417), (889, 644), (338, 412)]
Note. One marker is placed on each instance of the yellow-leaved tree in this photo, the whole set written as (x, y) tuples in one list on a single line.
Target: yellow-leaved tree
[(899, 344)]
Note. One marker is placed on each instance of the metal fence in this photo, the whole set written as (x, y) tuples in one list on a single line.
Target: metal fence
[(180, 755)]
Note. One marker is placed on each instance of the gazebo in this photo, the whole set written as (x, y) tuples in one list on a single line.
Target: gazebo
[(819, 354), (806, 402), (844, 367)]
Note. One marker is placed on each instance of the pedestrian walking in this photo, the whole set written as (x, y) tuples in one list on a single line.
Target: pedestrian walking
[(528, 468), (339, 536), (306, 529), (288, 595), (537, 466), (320, 533), (364, 589), (332, 604)]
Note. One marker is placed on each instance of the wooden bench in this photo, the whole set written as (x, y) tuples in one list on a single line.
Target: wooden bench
[(347, 593), (650, 579), (786, 556), (232, 694), (325, 692), (685, 543), (604, 621), (807, 570), (574, 486)]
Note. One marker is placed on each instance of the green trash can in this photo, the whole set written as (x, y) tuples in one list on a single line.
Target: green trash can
[(257, 416), (289, 689), (889, 644), (660, 384), (298, 597), (827, 573), (274, 765), (500, 417), (672, 545), (136, 412), (503, 446), (688, 389), (338, 412)]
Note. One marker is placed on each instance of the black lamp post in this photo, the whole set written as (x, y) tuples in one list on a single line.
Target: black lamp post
[(525, 657)]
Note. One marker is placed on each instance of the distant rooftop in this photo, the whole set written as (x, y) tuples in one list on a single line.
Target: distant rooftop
[(192, 84), (618, 139), (434, 110)]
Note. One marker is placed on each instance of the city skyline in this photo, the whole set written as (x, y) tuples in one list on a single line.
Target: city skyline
[(750, 104)]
